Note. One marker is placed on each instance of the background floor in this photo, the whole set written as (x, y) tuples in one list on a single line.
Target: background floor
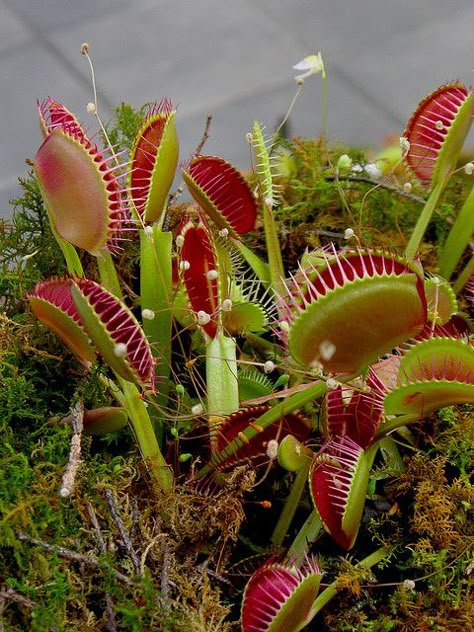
[(232, 59)]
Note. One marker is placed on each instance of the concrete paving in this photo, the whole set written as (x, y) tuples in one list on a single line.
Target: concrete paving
[(229, 58)]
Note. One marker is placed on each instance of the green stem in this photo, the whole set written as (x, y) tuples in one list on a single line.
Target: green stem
[(458, 238), (331, 591), (424, 220), (306, 536), (275, 261), (312, 392), (395, 423), (156, 295), (291, 505), (73, 263), (325, 100), (221, 376), (259, 266), (108, 274), (143, 429), (465, 275)]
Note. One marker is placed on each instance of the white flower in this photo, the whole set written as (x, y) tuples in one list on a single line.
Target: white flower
[(311, 65), (197, 409), (469, 168), (90, 108)]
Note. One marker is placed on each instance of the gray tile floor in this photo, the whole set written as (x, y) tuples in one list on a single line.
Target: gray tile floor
[(231, 58)]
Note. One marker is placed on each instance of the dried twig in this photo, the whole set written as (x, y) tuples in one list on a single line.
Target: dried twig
[(8, 594), (67, 554), (69, 477), (379, 184), (111, 622), (205, 135), (98, 533), (127, 542)]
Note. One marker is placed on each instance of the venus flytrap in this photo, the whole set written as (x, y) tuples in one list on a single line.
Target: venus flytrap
[(360, 327), (434, 137), (86, 203), (268, 197), (154, 158)]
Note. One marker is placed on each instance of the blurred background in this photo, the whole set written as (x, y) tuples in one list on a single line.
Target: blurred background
[(229, 58)]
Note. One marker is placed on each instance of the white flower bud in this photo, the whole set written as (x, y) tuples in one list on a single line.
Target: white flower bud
[(404, 144), (316, 367), (332, 384), (226, 305), (407, 187), (348, 233), (203, 317), (212, 275), (269, 366), (184, 265), (90, 108), (409, 584), (439, 125), (179, 241), (284, 326), (148, 230), (197, 409), (224, 233), (148, 314), (120, 350), (272, 449), (469, 168)]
